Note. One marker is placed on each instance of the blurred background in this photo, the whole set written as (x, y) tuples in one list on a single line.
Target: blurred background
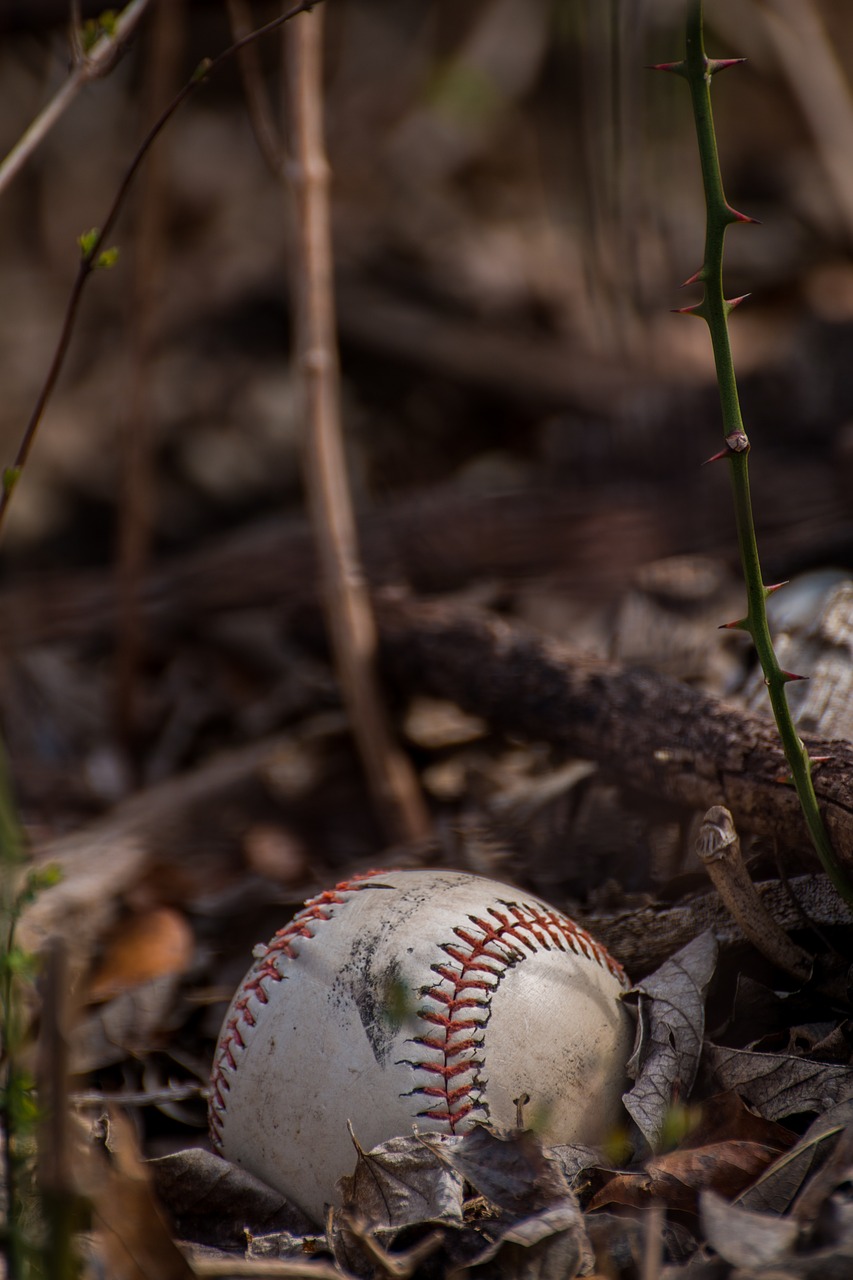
[(516, 204)]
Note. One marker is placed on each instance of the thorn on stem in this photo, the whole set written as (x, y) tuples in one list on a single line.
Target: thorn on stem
[(698, 309), (722, 64), (776, 586), (696, 278), (742, 624), (734, 215), (731, 303), (789, 676), (677, 68)]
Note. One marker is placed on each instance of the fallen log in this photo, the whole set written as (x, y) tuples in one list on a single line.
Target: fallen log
[(648, 732)]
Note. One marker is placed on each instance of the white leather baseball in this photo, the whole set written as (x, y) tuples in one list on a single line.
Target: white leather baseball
[(415, 998)]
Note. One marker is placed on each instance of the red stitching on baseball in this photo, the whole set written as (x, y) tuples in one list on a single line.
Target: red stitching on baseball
[(266, 968), (483, 960), (529, 928)]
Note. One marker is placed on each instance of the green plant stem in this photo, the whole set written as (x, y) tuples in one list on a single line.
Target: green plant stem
[(12, 1080), (698, 69)]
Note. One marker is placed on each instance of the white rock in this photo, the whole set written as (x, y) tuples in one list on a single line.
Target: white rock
[(432, 999)]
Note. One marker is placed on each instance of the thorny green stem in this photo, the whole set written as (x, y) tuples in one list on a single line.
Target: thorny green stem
[(714, 308)]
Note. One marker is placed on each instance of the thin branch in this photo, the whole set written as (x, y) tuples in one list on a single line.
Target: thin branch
[(270, 143), (138, 493), (261, 1267), (348, 611), (138, 1097), (91, 255), (97, 62)]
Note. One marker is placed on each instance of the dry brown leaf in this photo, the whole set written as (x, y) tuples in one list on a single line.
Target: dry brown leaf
[(778, 1084), (132, 1024), (215, 1203), (514, 1171), (399, 1183), (671, 1005), (152, 944), (550, 1245), (678, 1177), (725, 1117), (745, 1238)]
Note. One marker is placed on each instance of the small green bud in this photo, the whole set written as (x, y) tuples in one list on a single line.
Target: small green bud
[(36, 880), (88, 240), (107, 259), (201, 70), (95, 28), (11, 476)]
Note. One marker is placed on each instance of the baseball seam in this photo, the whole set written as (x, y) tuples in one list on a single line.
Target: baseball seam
[(458, 1017), (455, 1010)]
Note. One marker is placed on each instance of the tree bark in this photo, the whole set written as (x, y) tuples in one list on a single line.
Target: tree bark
[(647, 731)]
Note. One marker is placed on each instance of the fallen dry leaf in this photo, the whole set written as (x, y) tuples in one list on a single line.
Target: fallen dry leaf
[(513, 1172), (745, 1238), (671, 1006), (776, 1188), (132, 1023), (214, 1202), (551, 1245), (400, 1183), (151, 944), (778, 1085), (726, 1116), (678, 1177)]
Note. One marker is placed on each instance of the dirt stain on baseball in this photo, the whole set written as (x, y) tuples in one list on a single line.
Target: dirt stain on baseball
[(382, 998)]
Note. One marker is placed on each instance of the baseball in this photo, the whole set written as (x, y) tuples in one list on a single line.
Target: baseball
[(431, 999)]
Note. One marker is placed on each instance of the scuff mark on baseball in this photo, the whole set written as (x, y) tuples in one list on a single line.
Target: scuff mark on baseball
[(425, 998)]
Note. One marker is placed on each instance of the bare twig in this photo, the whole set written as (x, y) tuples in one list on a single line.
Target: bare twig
[(88, 66), (138, 1097), (267, 136), (348, 611), (653, 1224), (137, 488), (91, 255), (718, 846), (258, 1268)]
